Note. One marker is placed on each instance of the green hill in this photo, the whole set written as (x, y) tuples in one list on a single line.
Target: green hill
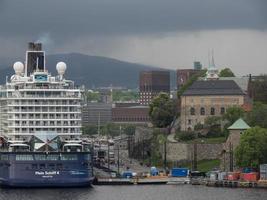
[(91, 71)]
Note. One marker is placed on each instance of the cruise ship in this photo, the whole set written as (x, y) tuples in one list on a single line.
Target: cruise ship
[(40, 127)]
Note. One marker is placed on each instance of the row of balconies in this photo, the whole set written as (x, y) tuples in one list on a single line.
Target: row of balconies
[(45, 116), (59, 131), (45, 123), (44, 103), (68, 96), (45, 109)]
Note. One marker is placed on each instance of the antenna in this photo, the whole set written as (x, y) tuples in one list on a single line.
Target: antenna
[(98, 125), (209, 57), (212, 58)]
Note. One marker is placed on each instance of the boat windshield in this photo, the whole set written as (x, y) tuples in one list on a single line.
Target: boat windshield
[(19, 148)]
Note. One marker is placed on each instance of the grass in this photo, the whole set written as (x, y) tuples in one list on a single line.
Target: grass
[(206, 165), (215, 140)]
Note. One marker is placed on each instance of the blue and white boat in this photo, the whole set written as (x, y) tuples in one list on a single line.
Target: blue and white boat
[(40, 127)]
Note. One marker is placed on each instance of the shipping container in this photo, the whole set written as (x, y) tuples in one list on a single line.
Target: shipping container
[(222, 176), (250, 177), (213, 176), (179, 172), (127, 174), (263, 171), (233, 176), (248, 170)]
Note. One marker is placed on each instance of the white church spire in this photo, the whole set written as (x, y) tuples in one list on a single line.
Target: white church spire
[(212, 72)]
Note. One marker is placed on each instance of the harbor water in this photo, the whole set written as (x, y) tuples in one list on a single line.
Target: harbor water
[(147, 192)]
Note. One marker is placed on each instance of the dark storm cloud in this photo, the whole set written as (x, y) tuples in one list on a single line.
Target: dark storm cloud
[(63, 19)]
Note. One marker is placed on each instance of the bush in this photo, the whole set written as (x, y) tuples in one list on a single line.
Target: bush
[(198, 126), (215, 131), (185, 136)]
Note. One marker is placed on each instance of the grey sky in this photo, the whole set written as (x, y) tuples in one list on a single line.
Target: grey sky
[(165, 33)]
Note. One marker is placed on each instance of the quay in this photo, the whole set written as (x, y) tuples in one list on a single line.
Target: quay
[(237, 184), (139, 181), (178, 181)]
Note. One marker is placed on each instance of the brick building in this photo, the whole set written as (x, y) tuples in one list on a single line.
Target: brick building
[(183, 75), (151, 83), (130, 114)]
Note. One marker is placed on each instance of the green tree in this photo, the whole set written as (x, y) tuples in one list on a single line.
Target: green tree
[(190, 81), (162, 112), (213, 123), (258, 87), (93, 96), (252, 149), (198, 126), (129, 129), (122, 95), (89, 130), (232, 114), (258, 115), (226, 72), (111, 129)]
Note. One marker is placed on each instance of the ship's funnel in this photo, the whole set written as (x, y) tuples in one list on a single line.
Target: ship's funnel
[(35, 58)]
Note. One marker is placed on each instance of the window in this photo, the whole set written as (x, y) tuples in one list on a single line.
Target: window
[(189, 121), (212, 111), (52, 157), (202, 111), (24, 157), (192, 111), (40, 157), (222, 110), (4, 157), (69, 157)]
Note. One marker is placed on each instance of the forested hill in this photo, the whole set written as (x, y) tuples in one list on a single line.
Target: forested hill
[(92, 71)]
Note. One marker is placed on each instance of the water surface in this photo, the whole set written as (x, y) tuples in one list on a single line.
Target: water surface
[(137, 192)]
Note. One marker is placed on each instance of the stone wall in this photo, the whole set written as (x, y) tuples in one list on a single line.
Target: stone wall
[(181, 151), (177, 151)]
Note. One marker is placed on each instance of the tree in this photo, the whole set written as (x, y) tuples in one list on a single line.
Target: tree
[(190, 81), (198, 126), (233, 113), (162, 113), (226, 72), (93, 96), (111, 129), (122, 95), (252, 149), (89, 130), (213, 123), (258, 115), (258, 88), (129, 129)]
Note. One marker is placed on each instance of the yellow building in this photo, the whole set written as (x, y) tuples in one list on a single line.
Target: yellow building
[(206, 98)]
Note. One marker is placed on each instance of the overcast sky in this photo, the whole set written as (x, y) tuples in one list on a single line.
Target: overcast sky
[(165, 33)]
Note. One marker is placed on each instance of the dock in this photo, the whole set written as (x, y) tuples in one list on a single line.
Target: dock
[(113, 181), (237, 184)]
